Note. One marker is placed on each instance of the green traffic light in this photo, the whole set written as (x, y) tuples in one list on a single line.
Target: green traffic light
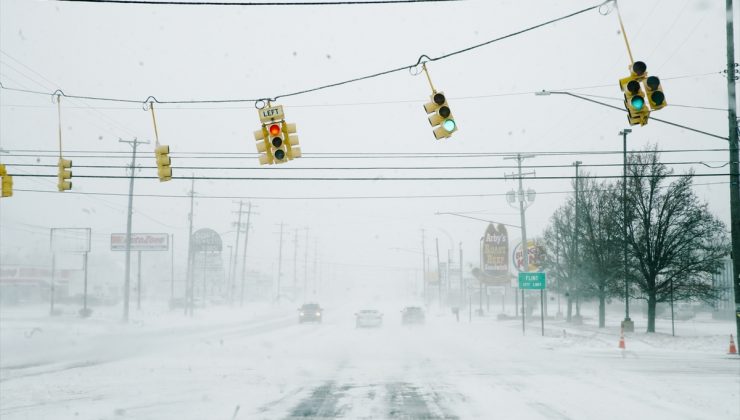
[(449, 125), (637, 102)]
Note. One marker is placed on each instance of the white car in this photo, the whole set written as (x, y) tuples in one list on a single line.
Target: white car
[(368, 318)]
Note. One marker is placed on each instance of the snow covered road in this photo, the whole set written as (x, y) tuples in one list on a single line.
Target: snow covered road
[(270, 367)]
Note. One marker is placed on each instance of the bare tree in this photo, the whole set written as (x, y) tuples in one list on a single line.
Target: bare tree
[(672, 237), (601, 242), (559, 253)]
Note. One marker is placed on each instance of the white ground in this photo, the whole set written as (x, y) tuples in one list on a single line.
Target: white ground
[(258, 363)]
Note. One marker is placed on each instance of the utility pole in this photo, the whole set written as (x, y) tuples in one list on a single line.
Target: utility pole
[(424, 266), (734, 177), (138, 281), (189, 293), (244, 255), (127, 282), (236, 251), (280, 262), (439, 273), (627, 324), (315, 261), (461, 296), (295, 264), (576, 271), (172, 266), (305, 269), (525, 245)]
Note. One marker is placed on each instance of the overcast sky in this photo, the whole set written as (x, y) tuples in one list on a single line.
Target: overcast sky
[(197, 53)]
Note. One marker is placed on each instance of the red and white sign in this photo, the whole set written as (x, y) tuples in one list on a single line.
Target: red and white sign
[(140, 241)]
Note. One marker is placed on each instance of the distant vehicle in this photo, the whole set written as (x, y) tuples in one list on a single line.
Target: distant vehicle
[(310, 312), (412, 315), (368, 318), (177, 303), (684, 313)]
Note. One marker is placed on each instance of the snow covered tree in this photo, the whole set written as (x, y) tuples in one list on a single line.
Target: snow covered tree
[(671, 236), (600, 235)]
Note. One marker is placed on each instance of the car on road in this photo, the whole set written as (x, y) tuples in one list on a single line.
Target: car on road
[(310, 312), (412, 315), (368, 318)]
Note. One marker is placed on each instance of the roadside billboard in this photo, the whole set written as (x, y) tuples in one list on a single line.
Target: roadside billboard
[(495, 252), (535, 255), (140, 241)]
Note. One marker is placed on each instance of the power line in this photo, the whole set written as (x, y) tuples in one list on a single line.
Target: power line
[(386, 102), (114, 154), (371, 179), (367, 168), (272, 3), (381, 197), (422, 59), (652, 118)]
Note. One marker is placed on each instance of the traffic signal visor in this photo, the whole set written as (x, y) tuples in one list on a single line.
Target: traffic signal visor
[(655, 93), (164, 170), (634, 100), (7, 182), (440, 116), (278, 147), (291, 140), (65, 173)]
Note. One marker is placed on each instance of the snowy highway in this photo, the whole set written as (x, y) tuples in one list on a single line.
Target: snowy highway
[(267, 366)]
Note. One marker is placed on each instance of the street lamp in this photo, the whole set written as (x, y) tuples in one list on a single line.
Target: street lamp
[(627, 324)]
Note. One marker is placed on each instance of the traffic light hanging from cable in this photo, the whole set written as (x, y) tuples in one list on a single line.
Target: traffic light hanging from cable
[(640, 103), (440, 116), (634, 98), (64, 174), (6, 181), (655, 93), (276, 141), (162, 155)]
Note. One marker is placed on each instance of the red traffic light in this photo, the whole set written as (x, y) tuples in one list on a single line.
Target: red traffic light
[(274, 130)]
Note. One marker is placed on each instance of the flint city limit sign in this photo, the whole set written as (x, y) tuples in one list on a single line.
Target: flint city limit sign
[(532, 281)]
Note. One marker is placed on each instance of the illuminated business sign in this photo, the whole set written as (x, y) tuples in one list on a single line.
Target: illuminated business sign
[(141, 242)]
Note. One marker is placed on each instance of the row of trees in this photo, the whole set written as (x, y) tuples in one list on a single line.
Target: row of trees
[(674, 244)]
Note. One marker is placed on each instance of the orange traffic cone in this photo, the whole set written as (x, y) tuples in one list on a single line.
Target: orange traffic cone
[(733, 349), (621, 339)]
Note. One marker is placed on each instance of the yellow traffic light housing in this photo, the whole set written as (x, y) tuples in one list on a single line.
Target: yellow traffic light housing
[(162, 155), (261, 137), (440, 116), (276, 141), (291, 141), (634, 98), (7, 182), (278, 148), (655, 94), (65, 173)]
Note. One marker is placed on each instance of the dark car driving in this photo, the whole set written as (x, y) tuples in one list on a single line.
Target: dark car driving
[(412, 315), (309, 312)]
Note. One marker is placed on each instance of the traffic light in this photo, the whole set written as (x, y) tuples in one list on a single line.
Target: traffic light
[(634, 98), (262, 145), (278, 146), (162, 154), (7, 182), (291, 141), (655, 93), (64, 174), (440, 116)]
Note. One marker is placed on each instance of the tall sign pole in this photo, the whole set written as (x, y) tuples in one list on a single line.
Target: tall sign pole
[(734, 180), (627, 324), (127, 282), (525, 244), (244, 256)]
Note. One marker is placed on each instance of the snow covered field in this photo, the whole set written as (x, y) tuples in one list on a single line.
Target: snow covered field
[(259, 363)]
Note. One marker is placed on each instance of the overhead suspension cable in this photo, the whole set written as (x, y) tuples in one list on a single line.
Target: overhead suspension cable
[(422, 59)]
